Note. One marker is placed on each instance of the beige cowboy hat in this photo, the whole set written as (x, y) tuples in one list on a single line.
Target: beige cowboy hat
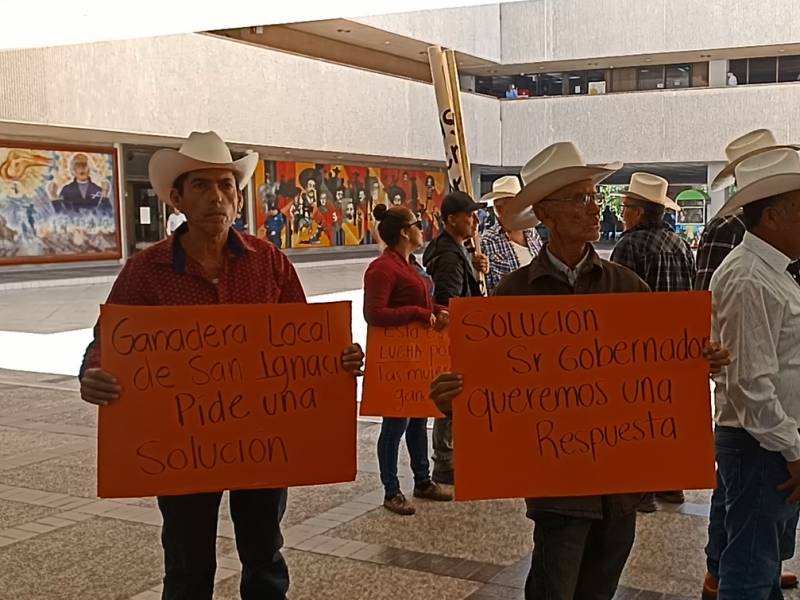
[(555, 167), (763, 175), (509, 187), (200, 151), (646, 187), (742, 148)]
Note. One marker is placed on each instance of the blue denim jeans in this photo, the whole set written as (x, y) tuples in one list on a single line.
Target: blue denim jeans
[(752, 529), (392, 430)]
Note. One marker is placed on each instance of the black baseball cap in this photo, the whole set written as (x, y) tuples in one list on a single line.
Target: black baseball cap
[(458, 202)]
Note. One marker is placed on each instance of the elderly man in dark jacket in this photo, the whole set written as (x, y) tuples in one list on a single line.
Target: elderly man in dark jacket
[(448, 263)]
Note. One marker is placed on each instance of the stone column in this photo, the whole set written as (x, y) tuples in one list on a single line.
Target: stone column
[(717, 198)]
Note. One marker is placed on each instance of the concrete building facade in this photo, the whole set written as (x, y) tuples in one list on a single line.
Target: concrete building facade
[(346, 107)]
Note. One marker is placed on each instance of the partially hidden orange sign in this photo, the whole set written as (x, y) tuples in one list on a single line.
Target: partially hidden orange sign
[(581, 395), (400, 364), (225, 397)]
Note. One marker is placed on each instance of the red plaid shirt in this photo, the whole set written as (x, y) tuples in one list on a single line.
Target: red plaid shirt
[(255, 272)]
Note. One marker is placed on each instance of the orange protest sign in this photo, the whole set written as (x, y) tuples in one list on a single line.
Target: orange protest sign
[(401, 362), (581, 395), (225, 397)]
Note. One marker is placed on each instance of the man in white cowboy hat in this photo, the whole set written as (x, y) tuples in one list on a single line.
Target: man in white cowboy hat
[(650, 248), (581, 544), (207, 262), (507, 249), (756, 314), (721, 235)]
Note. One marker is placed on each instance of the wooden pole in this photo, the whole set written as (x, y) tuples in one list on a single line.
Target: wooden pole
[(451, 122)]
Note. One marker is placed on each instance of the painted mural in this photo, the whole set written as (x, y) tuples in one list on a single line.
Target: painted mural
[(308, 205), (57, 204)]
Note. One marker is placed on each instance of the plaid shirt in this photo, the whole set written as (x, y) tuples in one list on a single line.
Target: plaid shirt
[(721, 235), (496, 245), (658, 255)]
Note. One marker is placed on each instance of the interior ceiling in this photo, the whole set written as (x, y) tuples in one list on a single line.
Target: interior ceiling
[(675, 173), (364, 36)]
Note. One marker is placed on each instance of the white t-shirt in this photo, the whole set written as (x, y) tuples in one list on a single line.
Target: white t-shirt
[(523, 253), (732, 80), (175, 221)]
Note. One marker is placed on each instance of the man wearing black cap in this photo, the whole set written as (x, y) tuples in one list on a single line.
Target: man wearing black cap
[(449, 265)]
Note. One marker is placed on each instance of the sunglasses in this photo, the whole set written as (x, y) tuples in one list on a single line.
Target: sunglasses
[(417, 224)]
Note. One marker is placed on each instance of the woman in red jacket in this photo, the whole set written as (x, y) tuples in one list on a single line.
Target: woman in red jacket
[(397, 292)]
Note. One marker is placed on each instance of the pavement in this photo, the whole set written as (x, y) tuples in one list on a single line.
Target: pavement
[(59, 542)]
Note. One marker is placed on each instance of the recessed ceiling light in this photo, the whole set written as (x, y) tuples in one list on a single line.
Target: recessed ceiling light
[(287, 152), (781, 50), (342, 31), (541, 68), (611, 67), (387, 42), (648, 60), (339, 157), (522, 74)]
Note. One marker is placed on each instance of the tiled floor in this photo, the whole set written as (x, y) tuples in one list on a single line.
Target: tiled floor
[(58, 541)]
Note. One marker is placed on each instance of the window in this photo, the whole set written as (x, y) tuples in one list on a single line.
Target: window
[(762, 70), (789, 68), (551, 84), (651, 78), (576, 83), (678, 76), (623, 80), (739, 70), (700, 74)]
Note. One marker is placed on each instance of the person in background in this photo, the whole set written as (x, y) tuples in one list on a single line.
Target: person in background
[(397, 293), (506, 249), (206, 262), (609, 223), (721, 235), (512, 92), (238, 222), (650, 248), (448, 263), (176, 219), (581, 544), (732, 79)]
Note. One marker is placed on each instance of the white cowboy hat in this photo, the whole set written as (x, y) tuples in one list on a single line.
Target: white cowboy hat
[(750, 144), (509, 187), (200, 151), (555, 167), (646, 187), (763, 175)]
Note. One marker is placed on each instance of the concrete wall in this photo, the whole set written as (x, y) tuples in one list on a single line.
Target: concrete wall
[(553, 30), (172, 85), (649, 127), (472, 30)]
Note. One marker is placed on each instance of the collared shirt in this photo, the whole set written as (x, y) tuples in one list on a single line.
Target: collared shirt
[(255, 272), (572, 274), (503, 259), (756, 316), (593, 276), (658, 255)]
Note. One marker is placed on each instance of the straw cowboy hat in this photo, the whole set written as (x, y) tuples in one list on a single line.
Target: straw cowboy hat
[(750, 144), (763, 175), (509, 187), (646, 187), (200, 151), (555, 167)]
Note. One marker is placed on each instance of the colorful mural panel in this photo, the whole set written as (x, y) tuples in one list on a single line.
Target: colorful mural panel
[(308, 205), (57, 204)]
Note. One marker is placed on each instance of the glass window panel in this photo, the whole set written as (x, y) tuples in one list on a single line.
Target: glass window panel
[(551, 84), (623, 80), (762, 70), (576, 82), (700, 74), (678, 76), (739, 70), (651, 78), (789, 68)]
